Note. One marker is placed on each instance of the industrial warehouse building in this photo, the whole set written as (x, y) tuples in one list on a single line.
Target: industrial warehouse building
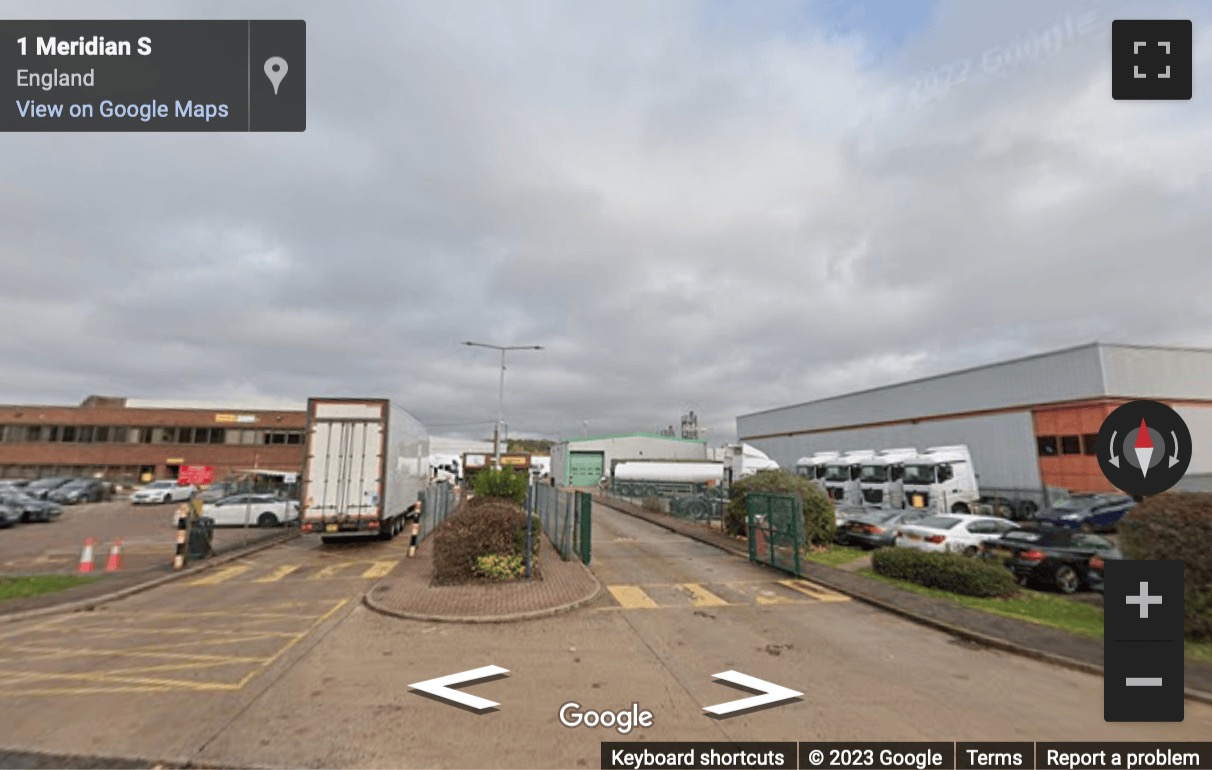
[(129, 440), (1029, 423), (583, 462)]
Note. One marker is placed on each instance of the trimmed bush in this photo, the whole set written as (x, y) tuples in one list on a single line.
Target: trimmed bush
[(820, 522), (1177, 525), (490, 527), (501, 566), (505, 484), (946, 571)]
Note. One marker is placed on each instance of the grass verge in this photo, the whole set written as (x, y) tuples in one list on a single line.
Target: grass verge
[(834, 555), (35, 585), (1037, 607)]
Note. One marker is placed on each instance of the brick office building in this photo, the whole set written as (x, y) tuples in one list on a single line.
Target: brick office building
[(129, 440)]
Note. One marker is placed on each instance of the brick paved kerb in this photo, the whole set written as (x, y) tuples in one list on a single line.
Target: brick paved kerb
[(1008, 634), (407, 593)]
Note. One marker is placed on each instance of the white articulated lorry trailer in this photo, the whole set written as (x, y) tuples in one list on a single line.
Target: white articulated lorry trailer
[(364, 464), (657, 478)]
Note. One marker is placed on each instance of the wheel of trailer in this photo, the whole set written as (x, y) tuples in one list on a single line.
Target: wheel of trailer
[(697, 509), (388, 532), (650, 490), (1027, 509), (267, 520), (960, 508)]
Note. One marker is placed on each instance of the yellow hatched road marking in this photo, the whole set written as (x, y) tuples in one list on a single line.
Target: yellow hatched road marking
[(820, 593), (277, 574), (701, 597), (632, 597), (759, 599), (329, 571), (223, 575), (57, 652), (380, 569), (286, 647)]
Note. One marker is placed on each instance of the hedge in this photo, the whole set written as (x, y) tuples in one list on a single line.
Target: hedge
[(820, 519), (485, 527), (502, 483), (946, 571), (1177, 525)]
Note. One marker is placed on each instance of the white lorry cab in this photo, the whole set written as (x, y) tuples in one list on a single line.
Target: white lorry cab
[(942, 479), (881, 477), (813, 466), (842, 477)]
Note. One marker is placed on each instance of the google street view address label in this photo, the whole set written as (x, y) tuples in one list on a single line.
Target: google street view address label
[(153, 75)]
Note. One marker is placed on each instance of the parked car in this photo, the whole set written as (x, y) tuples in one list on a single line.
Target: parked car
[(30, 508), (164, 491), (1089, 513), (952, 533), (216, 492), (9, 516), (13, 483), (252, 510), (79, 491), (42, 487), (1062, 558), (877, 528)]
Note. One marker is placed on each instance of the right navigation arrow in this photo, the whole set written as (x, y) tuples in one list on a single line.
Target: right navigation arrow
[(441, 687), (770, 693)]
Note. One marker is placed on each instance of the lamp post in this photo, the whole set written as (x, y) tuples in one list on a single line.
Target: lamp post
[(496, 431)]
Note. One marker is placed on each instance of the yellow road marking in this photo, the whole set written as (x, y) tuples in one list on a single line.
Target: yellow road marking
[(632, 597), (46, 624), (820, 593), (380, 569), (85, 691), (286, 647), (329, 571), (701, 597), (104, 678), (103, 632), (137, 653), (231, 612), (772, 600), (277, 574), (223, 575)]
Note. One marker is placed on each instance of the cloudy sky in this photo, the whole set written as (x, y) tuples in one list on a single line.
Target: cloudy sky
[(723, 206)]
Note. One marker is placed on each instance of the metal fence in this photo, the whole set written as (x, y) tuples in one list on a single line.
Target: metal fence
[(566, 519), (776, 530), (438, 501), (701, 508)]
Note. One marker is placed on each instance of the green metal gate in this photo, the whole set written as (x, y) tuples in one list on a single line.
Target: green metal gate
[(586, 469), (776, 530)]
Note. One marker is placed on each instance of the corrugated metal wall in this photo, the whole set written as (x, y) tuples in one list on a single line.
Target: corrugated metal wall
[(625, 448), (1158, 373), (1003, 445), (1062, 376)]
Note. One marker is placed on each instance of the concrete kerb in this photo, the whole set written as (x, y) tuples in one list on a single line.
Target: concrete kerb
[(958, 631), (122, 593), (109, 761), (547, 612)]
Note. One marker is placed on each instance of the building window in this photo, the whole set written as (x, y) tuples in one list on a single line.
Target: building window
[(294, 437), (201, 435), (249, 437), (218, 435), (1090, 444), (145, 435), (1047, 446), (33, 433), (85, 434), (100, 435), (275, 437), (1071, 445)]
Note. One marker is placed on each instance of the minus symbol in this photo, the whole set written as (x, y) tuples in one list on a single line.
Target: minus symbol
[(1144, 681)]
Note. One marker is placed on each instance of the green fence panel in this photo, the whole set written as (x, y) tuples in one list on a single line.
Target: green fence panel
[(776, 530), (585, 544)]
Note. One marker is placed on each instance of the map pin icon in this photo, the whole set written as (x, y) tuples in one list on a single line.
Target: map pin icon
[(275, 70)]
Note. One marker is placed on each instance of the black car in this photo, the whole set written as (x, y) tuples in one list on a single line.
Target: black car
[(42, 487), (876, 529), (30, 508), (1062, 558), (79, 491)]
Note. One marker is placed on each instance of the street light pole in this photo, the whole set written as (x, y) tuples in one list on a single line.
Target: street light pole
[(496, 432)]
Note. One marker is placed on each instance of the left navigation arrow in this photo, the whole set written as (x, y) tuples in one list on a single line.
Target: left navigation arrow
[(441, 687)]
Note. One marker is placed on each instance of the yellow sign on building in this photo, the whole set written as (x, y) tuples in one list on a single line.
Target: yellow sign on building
[(515, 460)]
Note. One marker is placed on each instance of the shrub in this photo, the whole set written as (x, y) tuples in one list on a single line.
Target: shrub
[(500, 483), (500, 566), (1177, 525), (946, 571), (490, 527), (820, 522)]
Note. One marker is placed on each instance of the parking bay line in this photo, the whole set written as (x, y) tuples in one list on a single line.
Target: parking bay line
[(820, 593), (701, 597), (223, 575), (286, 647), (278, 574), (632, 597)]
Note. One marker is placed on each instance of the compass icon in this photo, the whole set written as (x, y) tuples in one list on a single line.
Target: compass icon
[(1144, 448)]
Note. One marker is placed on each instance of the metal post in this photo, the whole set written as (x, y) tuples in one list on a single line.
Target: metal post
[(530, 493), (496, 443), (586, 528)]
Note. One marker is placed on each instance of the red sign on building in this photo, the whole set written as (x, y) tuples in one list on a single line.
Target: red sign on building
[(198, 475)]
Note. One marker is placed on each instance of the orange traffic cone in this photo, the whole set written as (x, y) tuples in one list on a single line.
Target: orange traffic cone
[(114, 562), (86, 556)]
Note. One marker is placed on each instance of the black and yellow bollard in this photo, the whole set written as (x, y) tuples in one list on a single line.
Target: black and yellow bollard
[(414, 531), (182, 534)]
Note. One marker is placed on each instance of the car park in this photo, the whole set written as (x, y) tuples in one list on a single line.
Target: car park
[(1089, 513), (252, 510), (79, 491), (30, 508), (876, 529), (952, 533), (41, 488), (164, 491), (1062, 558)]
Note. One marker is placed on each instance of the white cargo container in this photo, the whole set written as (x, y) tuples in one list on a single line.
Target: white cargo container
[(364, 465)]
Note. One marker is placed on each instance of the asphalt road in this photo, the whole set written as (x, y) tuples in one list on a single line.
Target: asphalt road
[(272, 661)]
